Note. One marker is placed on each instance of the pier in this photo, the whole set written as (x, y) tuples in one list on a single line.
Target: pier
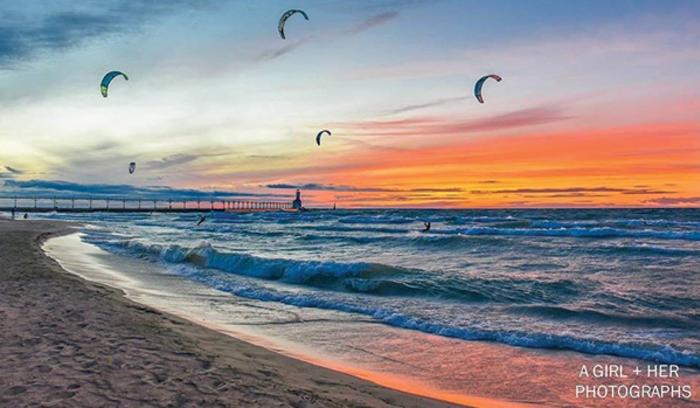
[(27, 204)]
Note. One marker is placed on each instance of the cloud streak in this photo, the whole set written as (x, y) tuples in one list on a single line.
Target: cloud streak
[(13, 170), (178, 159), (573, 190), (326, 187), (271, 54), (342, 188), (434, 126), (430, 104), (373, 21), (672, 201)]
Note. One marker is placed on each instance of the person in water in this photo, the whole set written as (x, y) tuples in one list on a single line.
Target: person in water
[(427, 226), (202, 218), (26, 216)]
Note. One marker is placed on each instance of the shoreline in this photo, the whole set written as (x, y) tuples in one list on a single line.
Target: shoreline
[(66, 340)]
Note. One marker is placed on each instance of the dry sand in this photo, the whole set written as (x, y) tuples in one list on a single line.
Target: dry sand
[(68, 342)]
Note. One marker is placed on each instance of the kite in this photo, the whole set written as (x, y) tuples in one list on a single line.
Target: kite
[(318, 136), (104, 85), (480, 83), (285, 16)]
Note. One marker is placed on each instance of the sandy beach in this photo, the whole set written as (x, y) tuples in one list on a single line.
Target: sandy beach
[(68, 342)]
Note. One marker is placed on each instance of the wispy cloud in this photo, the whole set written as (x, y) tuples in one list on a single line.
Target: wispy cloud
[(563, 195), (674, 201), (326, 187), (9, 173), (645, 191), (430, 104), (13, 170), (373, 21), (343, 188), (436, 190), (173, 160), (435, 126), (573, 190), (178, 159), (268, 157), (274, 53)]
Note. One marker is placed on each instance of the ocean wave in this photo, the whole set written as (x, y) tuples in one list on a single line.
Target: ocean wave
[(561, 224), (646, 250), (659, 353), (589, 315), (656, 223), (512, 224), (519, 228), (598, 232), (361, 277), (625, 224), (315, 273), (375, 219), (360, 240), (438, 241), (342, 228), (463, 219), (452, 241)]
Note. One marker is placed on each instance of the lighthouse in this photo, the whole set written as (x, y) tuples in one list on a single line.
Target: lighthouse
[(296, 204)]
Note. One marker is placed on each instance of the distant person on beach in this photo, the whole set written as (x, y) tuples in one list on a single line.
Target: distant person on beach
[(427, 226), (13, 213), (202, 218), (26, 216)]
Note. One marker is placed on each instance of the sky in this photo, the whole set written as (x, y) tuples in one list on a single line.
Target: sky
[(599, 104)]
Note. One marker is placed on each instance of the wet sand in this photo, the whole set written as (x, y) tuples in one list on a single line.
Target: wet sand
[(65, 341)]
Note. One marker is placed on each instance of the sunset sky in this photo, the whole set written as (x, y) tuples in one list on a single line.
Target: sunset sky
[(599, 103)]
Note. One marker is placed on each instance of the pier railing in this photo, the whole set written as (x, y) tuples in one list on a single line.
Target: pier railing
[(118, 204)]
